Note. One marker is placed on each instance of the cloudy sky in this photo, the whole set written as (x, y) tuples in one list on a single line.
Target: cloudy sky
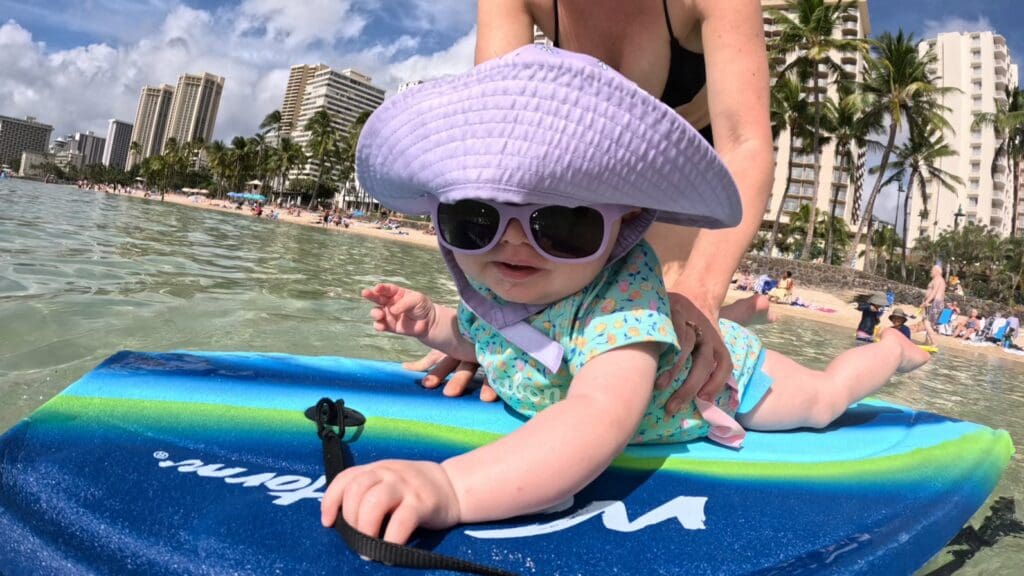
[(77, 63)]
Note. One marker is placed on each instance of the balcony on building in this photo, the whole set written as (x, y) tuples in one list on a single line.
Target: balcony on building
[(997, 199), (850, 30), (999, 67)]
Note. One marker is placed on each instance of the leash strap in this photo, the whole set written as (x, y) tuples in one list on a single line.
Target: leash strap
[(329, 414)]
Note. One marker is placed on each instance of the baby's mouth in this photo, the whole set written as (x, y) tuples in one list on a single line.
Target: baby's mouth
[(516, 271)]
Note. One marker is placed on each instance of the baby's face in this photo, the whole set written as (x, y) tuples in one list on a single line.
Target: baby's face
[(518, 273)]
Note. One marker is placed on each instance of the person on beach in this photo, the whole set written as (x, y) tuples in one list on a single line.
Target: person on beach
[(870, 316), (935, 297), (968, 327), (899, 322), (783, 293), (563, 302), (706, 59)]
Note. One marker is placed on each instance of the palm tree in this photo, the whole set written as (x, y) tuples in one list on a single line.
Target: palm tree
[(323, 146), (134, 153), (1008, 122), (885, 242), (258, 142), (789, 112), (239, 157), (216, 151), (850, 128), (271, 123), (897, 84), (917, 162), (810, 33), (291, 156)]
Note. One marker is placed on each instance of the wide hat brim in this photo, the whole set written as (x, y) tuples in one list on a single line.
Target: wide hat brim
[(546, 126)]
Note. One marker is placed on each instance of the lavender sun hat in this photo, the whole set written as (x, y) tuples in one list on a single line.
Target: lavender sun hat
[(542, 125)]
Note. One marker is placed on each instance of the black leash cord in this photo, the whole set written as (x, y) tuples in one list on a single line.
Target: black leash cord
[(327, 414)]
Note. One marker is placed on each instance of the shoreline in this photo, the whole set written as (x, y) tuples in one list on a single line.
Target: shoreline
[(847, 317), (306, 218), (844, 316)]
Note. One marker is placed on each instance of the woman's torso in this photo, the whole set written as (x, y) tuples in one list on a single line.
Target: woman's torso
[(655, 43)]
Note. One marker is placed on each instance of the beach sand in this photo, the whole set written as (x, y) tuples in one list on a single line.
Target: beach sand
[(845, 315)]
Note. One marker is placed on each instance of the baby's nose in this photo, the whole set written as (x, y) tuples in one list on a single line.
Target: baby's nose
[(514, 233)]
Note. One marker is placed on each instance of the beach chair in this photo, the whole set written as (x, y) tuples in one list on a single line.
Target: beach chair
[(997, 335), (945, 322)]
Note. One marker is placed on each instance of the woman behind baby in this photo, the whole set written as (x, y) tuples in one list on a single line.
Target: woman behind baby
[(520, 162)]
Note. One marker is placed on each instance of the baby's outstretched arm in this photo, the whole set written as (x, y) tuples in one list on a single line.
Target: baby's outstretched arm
[(411, 313), (551, 457)]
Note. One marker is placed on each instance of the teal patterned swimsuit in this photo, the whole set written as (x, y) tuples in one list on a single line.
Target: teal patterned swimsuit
[(626, 304)]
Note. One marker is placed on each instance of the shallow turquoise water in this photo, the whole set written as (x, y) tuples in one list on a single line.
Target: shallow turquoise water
[(83, 274)]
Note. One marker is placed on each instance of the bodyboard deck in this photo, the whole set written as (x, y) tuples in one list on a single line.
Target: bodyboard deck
[(203, 463)]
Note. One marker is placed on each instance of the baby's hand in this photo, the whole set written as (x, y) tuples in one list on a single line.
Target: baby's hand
[(413, 493), (401, 311)]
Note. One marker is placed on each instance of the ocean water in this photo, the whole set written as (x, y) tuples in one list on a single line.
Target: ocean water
[(83, 275)]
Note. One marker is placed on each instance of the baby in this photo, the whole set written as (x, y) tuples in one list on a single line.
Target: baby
[(542, 171)]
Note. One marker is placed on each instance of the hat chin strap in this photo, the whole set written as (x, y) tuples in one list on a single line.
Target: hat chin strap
[(509, 319)]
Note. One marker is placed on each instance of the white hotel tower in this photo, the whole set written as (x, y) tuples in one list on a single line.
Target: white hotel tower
[(343, 94), (977, 64)]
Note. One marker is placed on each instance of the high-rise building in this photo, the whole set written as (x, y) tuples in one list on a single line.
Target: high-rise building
[(21, 135), (90, 146), (979, 66), (119, 139), (298, 78), (344, 95), (835, 182), (151, 122), (194, 108)]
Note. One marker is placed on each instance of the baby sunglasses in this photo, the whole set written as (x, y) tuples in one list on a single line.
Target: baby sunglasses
[(559, 233)]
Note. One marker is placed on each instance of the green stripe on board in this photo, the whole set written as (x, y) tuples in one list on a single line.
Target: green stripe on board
[(986, 451)]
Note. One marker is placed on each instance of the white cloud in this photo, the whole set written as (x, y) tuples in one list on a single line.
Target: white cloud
[(933, 28), (252, 45), (293, 23), (457, 58)]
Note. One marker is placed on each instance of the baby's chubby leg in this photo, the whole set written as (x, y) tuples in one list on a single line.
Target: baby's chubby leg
[(801, 397)]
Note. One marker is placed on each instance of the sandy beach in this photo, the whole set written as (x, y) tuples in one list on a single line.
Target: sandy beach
[(847, 316), (844, 315)]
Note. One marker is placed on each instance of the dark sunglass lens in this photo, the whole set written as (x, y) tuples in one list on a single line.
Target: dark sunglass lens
[(568, 233), (467, 224)]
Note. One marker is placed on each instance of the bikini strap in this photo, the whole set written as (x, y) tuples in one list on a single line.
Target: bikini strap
[(668, 20), (556, 24)]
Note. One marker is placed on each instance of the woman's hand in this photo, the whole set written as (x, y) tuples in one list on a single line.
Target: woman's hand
[(440, 366), (413, 493), (698, 337)]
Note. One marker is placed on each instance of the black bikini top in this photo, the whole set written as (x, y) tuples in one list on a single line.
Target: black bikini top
[(686, 72)]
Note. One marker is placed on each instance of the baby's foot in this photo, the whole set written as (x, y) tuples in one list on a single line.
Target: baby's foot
[(911, 356), (750, 311)]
